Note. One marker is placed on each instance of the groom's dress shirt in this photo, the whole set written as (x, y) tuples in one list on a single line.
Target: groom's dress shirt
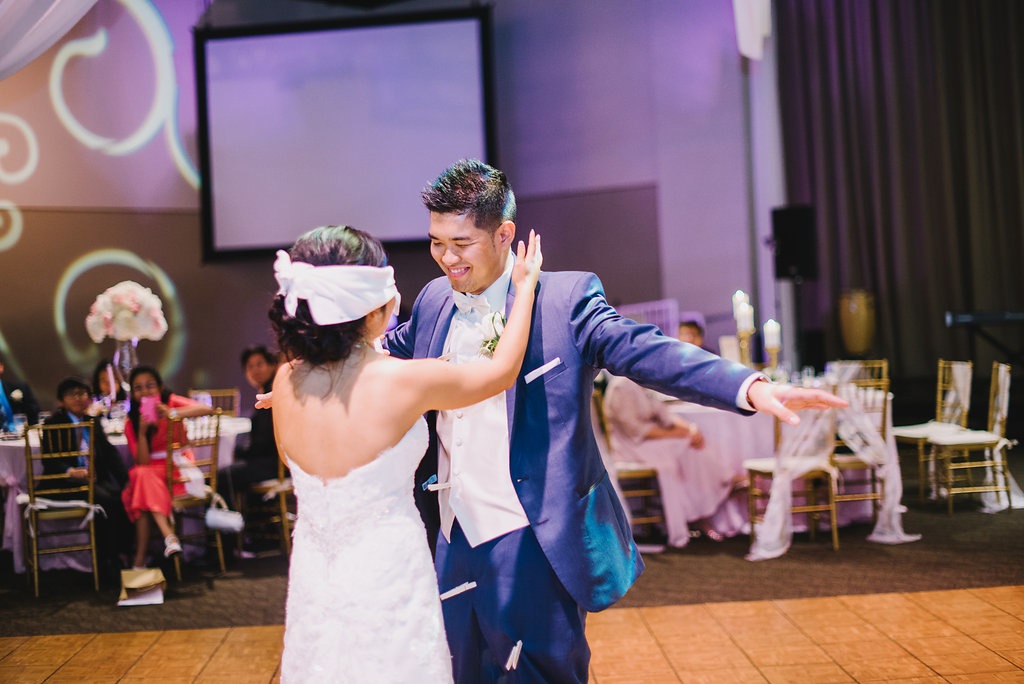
[(473, 454)]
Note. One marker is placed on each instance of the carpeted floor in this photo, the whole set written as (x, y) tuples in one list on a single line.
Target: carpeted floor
[(967, 549)]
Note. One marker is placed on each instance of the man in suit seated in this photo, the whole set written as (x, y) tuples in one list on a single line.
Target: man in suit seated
[(15, 398), (256, 459), (113, 532)]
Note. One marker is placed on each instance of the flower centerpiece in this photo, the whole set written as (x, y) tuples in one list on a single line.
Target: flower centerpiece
[(126, 312)]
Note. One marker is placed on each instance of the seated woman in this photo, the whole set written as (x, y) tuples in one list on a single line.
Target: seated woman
[(107, 383), (146, 498), (693, 486)]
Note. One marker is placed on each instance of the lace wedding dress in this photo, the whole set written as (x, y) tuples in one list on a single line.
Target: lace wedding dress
[(363, 602)]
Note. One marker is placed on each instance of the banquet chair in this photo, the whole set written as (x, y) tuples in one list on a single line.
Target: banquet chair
[(858, 479), (959, 454), (860, 369), (53, 499), (952, 405), (273, 518), (635, 483), (201, 436), (663, 313), (803, 455), (228, 400)]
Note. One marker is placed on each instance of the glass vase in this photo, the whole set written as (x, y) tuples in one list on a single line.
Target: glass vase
[(126, 358)]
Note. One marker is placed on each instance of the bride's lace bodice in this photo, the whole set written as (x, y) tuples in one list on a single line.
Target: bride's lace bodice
[(362, 594)]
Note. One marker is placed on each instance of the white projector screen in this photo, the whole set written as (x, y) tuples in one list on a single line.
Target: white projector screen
[(339, 125)]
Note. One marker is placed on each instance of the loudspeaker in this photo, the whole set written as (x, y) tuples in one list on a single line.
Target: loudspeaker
[(796, 249)]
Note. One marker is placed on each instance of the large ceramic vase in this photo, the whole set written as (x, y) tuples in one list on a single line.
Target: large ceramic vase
[(857, 322)]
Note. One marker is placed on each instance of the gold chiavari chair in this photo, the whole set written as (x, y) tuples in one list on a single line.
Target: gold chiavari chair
[(808, 464), (228, 399), (277, 513), (861, 369), (53, 497), (858, 478), (198, 478), (952, 405), (635, 483), (959, 454)]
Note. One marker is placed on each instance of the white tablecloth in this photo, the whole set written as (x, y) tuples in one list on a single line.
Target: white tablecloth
[(13, 481)]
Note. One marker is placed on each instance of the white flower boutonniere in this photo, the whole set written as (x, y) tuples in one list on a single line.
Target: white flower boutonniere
[(17, 395), (492, 326)]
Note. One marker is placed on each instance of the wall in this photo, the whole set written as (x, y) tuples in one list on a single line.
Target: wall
[(621, 125)]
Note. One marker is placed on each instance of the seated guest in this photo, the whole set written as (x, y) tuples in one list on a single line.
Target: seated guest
[(146, 498), (15, 398), (691, 328), (113, 531), (643, 430), (255, 461), (107, 383)]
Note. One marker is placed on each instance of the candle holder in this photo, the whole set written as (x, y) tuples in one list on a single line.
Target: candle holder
[(773, 357), (743, 336)]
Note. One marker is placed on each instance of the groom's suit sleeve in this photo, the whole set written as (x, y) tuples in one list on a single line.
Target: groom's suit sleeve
[(606, 339)]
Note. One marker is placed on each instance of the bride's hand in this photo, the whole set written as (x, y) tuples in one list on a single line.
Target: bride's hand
[(526, 271), (265, 401)]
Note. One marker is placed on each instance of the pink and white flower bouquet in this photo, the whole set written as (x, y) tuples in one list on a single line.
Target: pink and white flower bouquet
[(126, 311)]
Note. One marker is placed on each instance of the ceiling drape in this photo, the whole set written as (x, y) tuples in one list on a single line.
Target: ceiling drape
[(29, 27)]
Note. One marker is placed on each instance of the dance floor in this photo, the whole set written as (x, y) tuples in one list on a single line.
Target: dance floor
[(969, 635)]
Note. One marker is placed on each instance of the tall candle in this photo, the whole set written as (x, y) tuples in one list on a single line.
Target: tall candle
[(739, 298), (772, 334), (745, 318)]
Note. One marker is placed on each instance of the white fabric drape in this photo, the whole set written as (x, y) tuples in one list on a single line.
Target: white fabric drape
[(29, 27)]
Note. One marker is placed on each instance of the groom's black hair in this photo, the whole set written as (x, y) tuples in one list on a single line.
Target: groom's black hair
[(475, 189)]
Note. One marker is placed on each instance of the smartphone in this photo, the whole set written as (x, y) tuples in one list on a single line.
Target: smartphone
[(147, 408)]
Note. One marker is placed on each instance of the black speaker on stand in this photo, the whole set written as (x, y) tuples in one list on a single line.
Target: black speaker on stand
[(796, 258)]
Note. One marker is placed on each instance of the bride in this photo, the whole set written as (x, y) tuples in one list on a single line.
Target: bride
[(362, 601)]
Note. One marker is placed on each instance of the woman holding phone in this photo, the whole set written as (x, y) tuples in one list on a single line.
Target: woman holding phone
[(146, 499)]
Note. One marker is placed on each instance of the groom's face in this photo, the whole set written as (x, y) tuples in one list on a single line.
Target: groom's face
[(471, 257)]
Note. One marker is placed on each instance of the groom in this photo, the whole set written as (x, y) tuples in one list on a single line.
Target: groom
[(527, 511)]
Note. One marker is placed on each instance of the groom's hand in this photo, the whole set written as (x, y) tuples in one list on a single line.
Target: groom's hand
[(264, 401), (782, 401)]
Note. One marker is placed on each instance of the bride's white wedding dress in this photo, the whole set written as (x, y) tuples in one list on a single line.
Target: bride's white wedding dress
[(363, 603)]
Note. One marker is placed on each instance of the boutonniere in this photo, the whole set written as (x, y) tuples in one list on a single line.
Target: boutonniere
[(17, 395), (492, 326)]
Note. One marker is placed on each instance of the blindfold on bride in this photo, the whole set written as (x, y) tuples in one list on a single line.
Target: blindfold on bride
[(335, 294)]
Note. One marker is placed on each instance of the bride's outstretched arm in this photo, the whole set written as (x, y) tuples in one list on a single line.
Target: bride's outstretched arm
[(512, 343)]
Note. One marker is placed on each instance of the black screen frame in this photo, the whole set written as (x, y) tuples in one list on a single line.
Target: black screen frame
[(202, 35)]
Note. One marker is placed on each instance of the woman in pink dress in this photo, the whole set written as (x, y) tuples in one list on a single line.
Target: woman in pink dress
[(146, 498)]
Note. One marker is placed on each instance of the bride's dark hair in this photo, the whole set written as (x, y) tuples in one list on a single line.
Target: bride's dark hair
[(298, 336)]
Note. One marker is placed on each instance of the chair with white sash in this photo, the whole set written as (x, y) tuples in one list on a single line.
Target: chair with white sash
[(58, 507), (193, 481), (860, 449), (798, 479), (959, 454), (952, 405)]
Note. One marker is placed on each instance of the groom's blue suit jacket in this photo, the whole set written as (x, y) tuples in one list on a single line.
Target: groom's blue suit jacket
[(554, 460)]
